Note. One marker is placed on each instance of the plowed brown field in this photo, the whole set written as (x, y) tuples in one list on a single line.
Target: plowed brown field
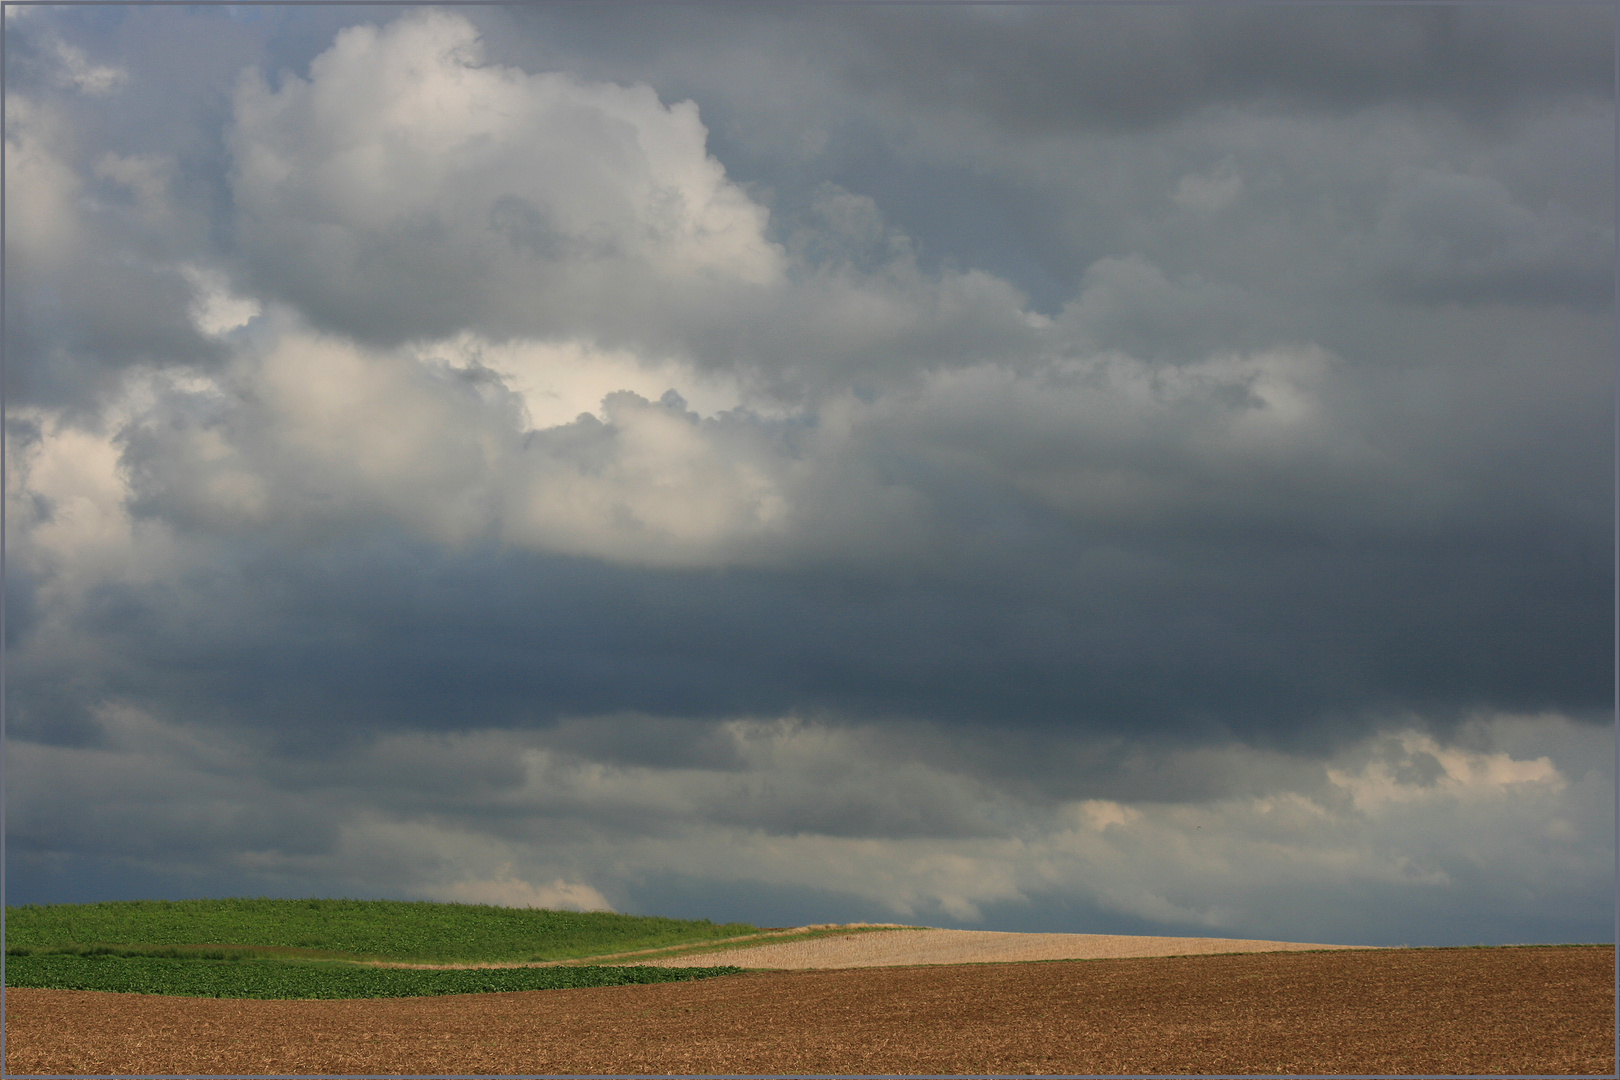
[(1397, 1011)]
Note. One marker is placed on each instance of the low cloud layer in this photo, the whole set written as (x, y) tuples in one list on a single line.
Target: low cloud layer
[(1394, 838), (528, 458)]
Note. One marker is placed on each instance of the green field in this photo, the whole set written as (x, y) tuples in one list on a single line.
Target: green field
[(313, 979), (413, 932), (314, 948)]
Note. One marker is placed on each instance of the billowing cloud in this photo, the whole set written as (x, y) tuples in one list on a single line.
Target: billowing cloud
[(409, 189), (308, 430), (386, 228)]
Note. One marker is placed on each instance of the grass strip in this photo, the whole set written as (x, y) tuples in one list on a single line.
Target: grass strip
[(306, 980)]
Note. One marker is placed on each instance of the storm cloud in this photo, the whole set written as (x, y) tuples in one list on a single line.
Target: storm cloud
[(1152, 471)]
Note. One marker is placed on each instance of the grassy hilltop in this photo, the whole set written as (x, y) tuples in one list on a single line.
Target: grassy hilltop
[(317, 948)]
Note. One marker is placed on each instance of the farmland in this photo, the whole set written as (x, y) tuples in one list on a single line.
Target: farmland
[(346, 986), (399, 931), (315, 949), (313, 980), (1374, 1011)]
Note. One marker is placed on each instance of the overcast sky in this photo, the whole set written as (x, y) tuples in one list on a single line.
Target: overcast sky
[(1101, 469)]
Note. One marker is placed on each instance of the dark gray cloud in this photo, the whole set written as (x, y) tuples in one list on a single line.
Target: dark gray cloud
[(1113, 68), (655, 456), (1276, 639), (1462, 239)]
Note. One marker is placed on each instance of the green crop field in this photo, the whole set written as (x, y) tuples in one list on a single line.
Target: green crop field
[(414, 932), (312, 948), (312, 979)]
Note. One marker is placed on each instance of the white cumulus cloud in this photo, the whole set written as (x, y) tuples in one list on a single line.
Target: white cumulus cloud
[(505, 889), (408, 187)]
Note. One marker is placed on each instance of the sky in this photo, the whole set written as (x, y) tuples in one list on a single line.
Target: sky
[(1099, 469)]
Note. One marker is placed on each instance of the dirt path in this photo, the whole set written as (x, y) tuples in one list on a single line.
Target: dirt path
[(1381, 1012)]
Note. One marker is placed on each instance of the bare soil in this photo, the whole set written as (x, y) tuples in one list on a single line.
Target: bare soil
[(1539, 1010)]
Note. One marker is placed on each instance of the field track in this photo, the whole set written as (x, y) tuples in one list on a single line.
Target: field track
[(1396, 1011)]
